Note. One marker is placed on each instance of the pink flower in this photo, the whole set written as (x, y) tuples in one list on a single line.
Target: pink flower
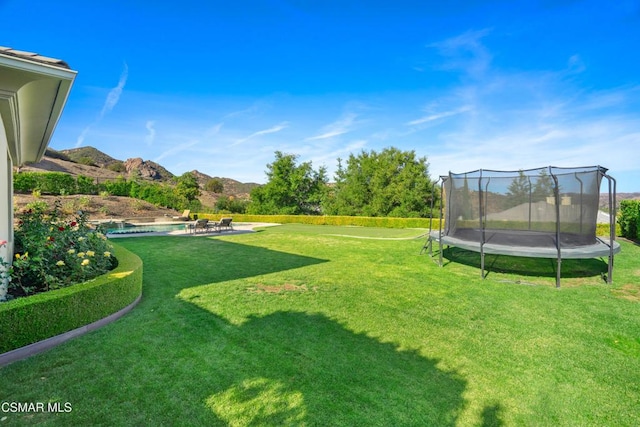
[(3, 242)]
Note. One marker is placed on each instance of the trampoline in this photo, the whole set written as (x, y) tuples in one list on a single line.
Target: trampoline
[(548, 212)]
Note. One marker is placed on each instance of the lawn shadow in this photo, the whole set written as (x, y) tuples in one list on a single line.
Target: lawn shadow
[(491, 416), (293, 368), (285, 367), (208, 261), (523, 266)]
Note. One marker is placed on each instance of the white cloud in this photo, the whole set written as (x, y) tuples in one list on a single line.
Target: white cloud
[(178, 149), (114, 94), (466, 53), (112, 100), (339, 127), (82, 136), (436, 116), (151, 135), (273, 129)]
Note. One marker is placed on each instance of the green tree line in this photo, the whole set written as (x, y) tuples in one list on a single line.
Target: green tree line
[(377, 184), (182, 194), (390, 183)]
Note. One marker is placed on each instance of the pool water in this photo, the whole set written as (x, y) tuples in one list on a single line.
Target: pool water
[(146, 228)]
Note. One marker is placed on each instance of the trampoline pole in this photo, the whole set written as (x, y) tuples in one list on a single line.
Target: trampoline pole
[(556, 194), (482, 225), (612, 224), (429, 243), (581, 203), (530, 201), (442, 205)]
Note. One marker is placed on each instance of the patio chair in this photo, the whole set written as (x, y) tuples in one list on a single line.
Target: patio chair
[(184, 216), (225, 224), (201, 225)]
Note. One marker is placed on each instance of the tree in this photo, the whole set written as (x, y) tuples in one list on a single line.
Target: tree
[(188, 187), (544, 187), (519, 191), (231, 204), (390, 183), (291, 188), (215, 185)]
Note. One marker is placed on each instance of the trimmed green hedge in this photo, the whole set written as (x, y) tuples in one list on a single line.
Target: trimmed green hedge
[(28, 320), (55, 183), (362, 221), (603, 230), (385, 222)]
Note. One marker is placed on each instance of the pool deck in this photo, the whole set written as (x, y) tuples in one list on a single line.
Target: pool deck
[(238, 228)]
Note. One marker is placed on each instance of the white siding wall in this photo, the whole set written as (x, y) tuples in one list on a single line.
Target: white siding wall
[(6, 197)]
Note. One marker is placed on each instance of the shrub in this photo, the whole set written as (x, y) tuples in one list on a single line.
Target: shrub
[(57, 155), (118, 187), (87, 161), (46, 182), (25, 182), (139, 205), (85, 185), (629, 219), (231, 204), (54, 252), (84, 201), (27, 320), (116, 167), (215, 185)]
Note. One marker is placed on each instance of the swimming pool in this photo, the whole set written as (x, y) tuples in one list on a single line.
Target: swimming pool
[(127, 228)]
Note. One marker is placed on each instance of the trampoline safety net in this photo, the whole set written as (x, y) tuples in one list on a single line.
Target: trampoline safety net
[(535, 207)]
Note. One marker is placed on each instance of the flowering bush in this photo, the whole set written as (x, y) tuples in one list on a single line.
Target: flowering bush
[(53, 252)]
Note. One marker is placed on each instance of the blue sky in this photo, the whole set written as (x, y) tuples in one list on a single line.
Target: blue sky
[(219, 86)]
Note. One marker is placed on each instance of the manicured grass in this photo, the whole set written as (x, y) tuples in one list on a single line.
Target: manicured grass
[(326, 326)]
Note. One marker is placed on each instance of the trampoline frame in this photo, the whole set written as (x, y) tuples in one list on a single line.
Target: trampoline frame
[(600, 248)]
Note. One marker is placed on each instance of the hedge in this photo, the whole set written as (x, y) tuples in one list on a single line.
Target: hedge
[(629, 219), (31, 319), (362, 221)]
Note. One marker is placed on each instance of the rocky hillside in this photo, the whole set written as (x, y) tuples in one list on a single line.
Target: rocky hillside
[(91, 162), (85, 155)]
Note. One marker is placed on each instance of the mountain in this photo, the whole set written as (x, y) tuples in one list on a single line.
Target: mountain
[(231, 186), (87, 155), (91, 162)]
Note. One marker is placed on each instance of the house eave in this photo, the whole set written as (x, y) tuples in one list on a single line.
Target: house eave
[(32, 97)]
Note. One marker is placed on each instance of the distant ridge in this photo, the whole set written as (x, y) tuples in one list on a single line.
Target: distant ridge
[(91, 162), (78, 155)]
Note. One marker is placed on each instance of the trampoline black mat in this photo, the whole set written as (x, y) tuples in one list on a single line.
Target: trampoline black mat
[(533, 239), (599, 248)]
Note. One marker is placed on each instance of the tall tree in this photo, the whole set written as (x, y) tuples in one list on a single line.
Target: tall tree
[(389, 183), (291, 188), (543, 187), (519, 191), (187, 186)]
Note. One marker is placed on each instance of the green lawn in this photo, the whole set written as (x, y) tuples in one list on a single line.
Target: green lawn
[(329, 326)]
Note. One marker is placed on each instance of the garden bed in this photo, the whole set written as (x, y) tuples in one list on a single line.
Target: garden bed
[(28, 320)]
